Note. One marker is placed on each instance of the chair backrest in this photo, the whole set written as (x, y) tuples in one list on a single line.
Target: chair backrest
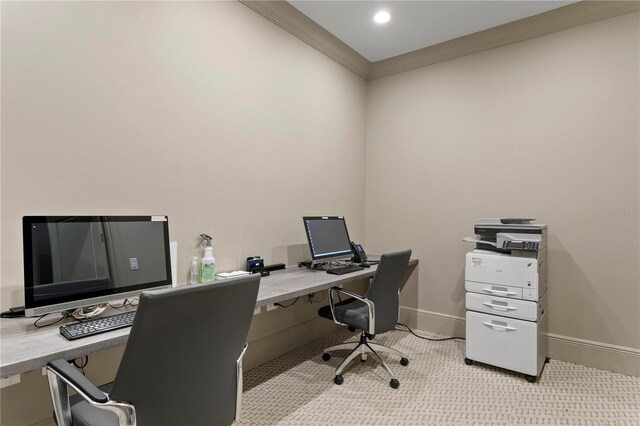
[(179, 365), (384, 287)]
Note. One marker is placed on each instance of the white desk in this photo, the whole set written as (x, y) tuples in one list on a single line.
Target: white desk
[(25, 348)]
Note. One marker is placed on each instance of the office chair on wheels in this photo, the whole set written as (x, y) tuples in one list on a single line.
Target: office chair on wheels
[(374, 313), (182, 364)]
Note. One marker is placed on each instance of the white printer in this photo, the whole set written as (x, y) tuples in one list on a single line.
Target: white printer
[(506, 300)]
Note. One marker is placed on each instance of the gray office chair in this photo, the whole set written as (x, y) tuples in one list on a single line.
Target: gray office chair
[(182, 364), (374, 313)]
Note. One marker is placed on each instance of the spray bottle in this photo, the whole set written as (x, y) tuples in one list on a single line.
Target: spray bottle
[(194, 271), (208, 262)]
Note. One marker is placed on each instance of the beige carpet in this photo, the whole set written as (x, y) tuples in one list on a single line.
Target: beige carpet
[(436, 388)]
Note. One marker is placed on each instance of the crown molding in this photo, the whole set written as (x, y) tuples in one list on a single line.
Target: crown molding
[(560, 19), (295, 22)]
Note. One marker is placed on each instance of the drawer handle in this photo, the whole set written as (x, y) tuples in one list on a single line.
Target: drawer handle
[(500, 292), (499, 307), (499, 327)]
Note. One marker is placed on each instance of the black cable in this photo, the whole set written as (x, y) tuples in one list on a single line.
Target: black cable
[(83, 365), (408, 329), (118, 307), (290, 304), (64, 315), (313, 295), (126, 302)]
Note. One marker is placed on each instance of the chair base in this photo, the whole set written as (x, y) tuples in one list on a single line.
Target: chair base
[(363, 348)]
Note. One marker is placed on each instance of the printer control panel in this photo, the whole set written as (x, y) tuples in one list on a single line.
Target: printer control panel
[(520, 245)]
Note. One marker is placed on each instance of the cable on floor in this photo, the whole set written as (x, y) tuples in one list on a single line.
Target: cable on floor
[(409, 330)]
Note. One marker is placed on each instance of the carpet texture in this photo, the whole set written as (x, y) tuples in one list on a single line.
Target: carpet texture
[(436, 388)]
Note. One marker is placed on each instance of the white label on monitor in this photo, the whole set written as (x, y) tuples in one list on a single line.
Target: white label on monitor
[(158, 218), (133, 262)]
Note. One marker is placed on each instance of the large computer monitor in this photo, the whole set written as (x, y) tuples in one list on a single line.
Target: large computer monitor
[(328, 238), (77, 261)]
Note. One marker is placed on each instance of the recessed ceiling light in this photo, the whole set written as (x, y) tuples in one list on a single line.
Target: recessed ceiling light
[(382, 17)]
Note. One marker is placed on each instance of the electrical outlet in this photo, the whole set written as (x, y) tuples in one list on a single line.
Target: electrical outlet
[(9, 381), (256, 311), (271, 307)]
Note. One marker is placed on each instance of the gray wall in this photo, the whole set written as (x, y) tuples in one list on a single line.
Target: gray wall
[(210, 114), (547, 128), (205, 112)]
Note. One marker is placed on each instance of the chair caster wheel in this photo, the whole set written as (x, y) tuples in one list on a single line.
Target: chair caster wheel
[(351, 329), (531, 379), (363, 360), (394, 383), (326, 356), (546, 360), (468, 361), (404, 361), (338, 380)]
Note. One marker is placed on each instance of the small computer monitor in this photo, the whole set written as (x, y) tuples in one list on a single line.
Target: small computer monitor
[(77, 261), (328, 238)]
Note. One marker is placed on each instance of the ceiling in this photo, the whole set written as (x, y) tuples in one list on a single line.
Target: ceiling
[(414, 24)]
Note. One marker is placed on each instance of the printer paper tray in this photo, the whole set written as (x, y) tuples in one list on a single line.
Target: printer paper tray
[(494, 289), (506, 307)]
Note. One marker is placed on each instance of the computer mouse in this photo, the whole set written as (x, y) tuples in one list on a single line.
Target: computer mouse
[(365, 265)]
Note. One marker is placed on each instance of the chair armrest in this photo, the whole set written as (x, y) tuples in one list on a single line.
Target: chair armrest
[(370, 305), (61, 375), (76, 380), (239, 382)]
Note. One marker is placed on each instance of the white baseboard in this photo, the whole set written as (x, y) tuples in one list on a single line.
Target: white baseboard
[(448, 325), (619, 359), (604, 356)]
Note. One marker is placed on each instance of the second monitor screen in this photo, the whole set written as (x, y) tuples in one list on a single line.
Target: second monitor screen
[(328, 236)]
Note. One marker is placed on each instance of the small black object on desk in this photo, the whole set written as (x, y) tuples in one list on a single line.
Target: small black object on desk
[(15, 312), (275, 267), (341, 270)]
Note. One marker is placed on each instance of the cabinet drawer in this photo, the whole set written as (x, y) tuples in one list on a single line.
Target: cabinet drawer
[(503, 306), (503, 342), (494, 289)]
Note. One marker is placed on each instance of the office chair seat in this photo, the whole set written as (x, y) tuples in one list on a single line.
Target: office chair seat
[(83, 414), (374, 312), (350, 311)]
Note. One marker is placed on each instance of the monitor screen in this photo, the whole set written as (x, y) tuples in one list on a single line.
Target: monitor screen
[(75, 261), (328, 237)]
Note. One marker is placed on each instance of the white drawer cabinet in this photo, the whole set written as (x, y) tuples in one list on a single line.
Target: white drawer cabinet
[(506, 342)]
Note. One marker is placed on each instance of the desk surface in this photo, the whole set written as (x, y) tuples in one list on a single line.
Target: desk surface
[(25, 347)]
